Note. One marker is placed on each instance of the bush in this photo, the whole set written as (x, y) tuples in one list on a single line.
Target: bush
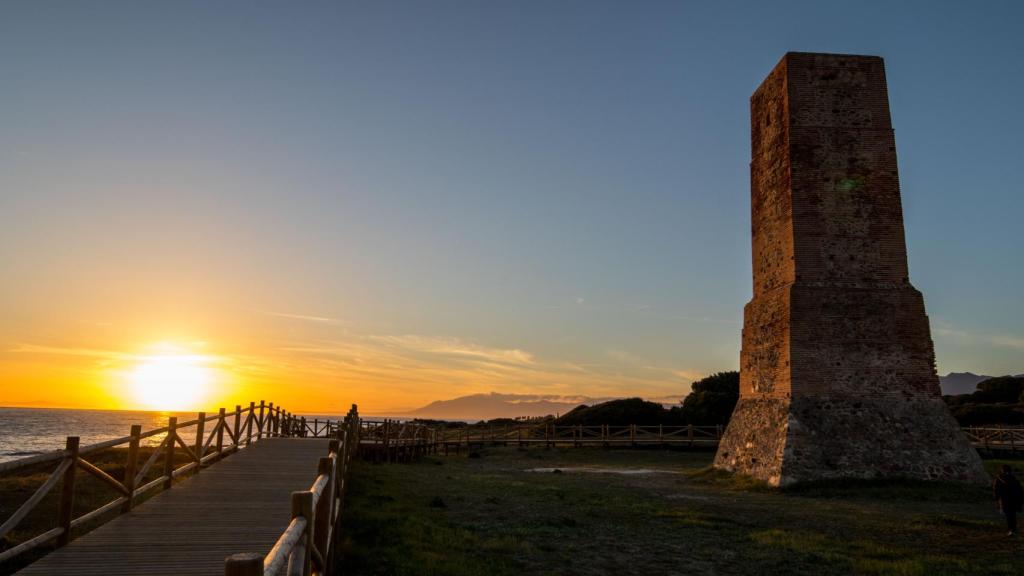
[(1004, 389), (988, 414), (617, 413), (711, 401)]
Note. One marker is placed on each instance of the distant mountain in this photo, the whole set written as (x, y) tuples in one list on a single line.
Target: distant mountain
[(960, 382), (495, 405)]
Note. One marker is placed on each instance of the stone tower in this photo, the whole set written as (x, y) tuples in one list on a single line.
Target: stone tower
[(837, 370)]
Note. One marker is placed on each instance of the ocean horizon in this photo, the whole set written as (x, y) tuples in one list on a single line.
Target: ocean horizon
[(27, 431)]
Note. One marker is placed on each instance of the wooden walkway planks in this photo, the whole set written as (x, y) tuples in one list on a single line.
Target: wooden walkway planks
[(240, 504)]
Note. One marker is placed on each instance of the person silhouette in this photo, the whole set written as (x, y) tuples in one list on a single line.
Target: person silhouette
[(1009, 496)]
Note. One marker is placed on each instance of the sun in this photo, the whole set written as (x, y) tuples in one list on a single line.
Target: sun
[(171, 381)]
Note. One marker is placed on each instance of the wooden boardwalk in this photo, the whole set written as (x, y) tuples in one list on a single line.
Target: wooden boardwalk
[(240, 504)]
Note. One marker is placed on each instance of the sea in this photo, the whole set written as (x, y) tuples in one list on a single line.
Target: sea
[(29, 431)]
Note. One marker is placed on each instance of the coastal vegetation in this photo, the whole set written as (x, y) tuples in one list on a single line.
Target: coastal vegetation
[(996, 401), (709, 402)]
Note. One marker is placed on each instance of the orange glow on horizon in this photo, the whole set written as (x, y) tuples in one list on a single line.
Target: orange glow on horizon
[(306, 374)]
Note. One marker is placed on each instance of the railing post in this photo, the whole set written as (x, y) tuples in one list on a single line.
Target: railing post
[(238, 426), (247, 564), (200, 441), (689, 433), (324, 509), (270, 420), (340, 448), (131, 465), (302, 424), (259, 434), (248, 423), (172, 434), (220, 433), (65, 512), (302, 505)]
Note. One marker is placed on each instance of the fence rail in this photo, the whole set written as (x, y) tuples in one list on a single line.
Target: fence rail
[(996, 438), (552, 435), (392, 440), (309, 545), (230, 432)]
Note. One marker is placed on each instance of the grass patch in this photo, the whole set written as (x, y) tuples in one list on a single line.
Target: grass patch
[(890, 489), (499, 518), (722, 479)]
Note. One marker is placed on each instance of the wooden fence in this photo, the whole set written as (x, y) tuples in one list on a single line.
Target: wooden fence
[(394, 441), (552, 435), (230, 432), (309, 546), (996, 438)]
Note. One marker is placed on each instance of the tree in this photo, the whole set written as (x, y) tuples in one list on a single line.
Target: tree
[(712, 399), (1004, 389)]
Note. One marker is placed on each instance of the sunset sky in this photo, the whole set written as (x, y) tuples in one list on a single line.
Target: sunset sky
[(391, 203)]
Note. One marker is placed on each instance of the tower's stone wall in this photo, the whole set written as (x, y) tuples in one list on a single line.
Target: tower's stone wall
[(837, 373)]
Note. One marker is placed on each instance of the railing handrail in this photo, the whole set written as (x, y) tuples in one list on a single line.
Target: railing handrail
[(307, 544), (262, 420)]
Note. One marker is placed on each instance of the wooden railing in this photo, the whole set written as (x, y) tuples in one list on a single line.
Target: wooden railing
[(230, 432), (309, 546), (394, 441), (551, 435), (996, 437)]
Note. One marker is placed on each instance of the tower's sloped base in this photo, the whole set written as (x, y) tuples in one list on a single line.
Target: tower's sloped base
[(783, 441)]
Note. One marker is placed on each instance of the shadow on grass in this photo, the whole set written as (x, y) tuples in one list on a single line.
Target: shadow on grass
[(849, 488)]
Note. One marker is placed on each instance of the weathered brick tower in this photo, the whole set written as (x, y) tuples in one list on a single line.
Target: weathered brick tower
[(837, 373)]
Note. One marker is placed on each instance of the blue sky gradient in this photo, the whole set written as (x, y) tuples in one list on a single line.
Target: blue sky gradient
[(567, 179)]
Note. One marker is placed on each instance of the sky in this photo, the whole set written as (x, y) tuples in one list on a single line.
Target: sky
[(389, 203)]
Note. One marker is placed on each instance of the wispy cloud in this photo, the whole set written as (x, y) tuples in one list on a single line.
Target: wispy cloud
[(418, 368), (705, 319), (303, 317), (69, 351), (1000, 340), (689, 375), (455, 347)]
